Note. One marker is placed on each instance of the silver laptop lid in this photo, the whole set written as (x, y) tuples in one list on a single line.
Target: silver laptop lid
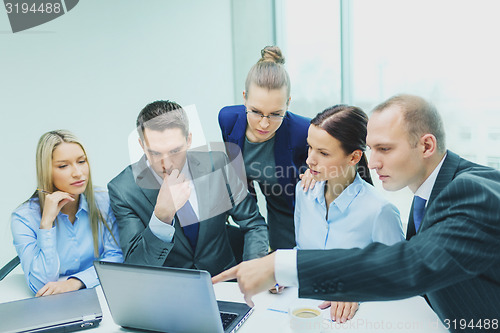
[(160, 298), (70, 310)]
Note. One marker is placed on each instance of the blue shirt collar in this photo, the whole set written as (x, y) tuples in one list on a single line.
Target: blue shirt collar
[(425, 190), (83, 204), (344, 199), (318, 192)]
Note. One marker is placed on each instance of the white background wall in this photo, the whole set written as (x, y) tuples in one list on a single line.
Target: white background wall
[(93, 69)]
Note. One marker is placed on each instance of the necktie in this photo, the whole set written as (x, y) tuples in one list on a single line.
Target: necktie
[(189, 222), (418, 211)]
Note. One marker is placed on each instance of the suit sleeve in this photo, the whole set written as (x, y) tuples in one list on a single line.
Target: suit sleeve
[(245, 213), (138, 243), (458, 241)]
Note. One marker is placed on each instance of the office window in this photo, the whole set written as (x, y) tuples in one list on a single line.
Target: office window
[(494, 162), (465, 133), (309, 34), (444, 51), (494, 134)]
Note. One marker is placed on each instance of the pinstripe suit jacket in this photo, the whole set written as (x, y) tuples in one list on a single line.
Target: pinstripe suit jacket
[(454, 258)]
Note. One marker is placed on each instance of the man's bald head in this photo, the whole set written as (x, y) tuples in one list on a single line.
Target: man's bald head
[(420, 118)]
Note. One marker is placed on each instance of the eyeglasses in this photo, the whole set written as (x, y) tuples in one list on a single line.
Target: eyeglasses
[(255, 115)]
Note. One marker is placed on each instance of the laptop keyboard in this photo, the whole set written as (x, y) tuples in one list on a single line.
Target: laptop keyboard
[(227, 318)]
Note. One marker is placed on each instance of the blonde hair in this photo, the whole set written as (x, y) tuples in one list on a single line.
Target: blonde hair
[(46, 145), (269, 71)]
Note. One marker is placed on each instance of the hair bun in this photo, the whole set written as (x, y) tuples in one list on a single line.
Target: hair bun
[(273, 54)]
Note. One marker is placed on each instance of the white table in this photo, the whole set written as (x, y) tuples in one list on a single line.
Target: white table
[(408, 315)]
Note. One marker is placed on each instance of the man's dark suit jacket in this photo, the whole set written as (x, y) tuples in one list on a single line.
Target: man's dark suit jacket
[(454, 258), (133, 195)]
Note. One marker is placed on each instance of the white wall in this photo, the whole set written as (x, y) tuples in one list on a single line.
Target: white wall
[(93, 69), (253, 29)]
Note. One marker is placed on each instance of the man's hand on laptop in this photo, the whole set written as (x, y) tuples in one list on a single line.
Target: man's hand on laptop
[(173, 194), (59, 287), (254, 276)]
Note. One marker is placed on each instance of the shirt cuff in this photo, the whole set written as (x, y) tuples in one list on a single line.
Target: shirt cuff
[(88, 277), (285, 268), (162, 230)]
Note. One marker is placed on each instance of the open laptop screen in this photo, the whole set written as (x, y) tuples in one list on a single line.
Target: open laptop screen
[(164, 299)]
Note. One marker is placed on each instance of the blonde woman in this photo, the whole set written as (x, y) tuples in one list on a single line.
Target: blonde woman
[(65, 225)]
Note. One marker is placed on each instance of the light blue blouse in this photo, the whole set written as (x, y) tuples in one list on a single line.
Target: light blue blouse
[(66, 249), (356, 218)]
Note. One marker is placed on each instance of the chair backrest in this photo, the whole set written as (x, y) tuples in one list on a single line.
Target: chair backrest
[(237, 240), (9, 267)]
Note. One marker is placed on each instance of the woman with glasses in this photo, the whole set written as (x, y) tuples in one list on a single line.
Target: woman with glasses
[(272, 141), (66, 224)]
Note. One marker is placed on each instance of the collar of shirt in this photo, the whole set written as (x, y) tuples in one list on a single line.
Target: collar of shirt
[(83, 206), (425, 190), (344, 199)]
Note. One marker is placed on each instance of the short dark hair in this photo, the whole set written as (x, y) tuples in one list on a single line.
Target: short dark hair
[(348, 125), (420, 116), (161, 115)]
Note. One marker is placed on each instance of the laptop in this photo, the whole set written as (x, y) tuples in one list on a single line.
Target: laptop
[(67, 312), (166, 299)]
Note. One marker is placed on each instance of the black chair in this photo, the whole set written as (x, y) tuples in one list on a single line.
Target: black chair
[(9, 267), (237, 240)]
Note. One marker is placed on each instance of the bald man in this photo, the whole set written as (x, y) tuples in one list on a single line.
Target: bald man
[(453, 250)]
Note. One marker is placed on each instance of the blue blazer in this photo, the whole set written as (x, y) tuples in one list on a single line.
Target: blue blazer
[(453, 258), (290, 145)]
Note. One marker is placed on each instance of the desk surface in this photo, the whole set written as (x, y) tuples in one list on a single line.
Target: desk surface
[(408, 315)]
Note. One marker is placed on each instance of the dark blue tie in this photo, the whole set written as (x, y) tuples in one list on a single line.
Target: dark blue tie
[(189, 222), (418, 211)]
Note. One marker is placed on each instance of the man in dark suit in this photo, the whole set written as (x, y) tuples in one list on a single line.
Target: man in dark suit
[(453, 252), (171, 206)]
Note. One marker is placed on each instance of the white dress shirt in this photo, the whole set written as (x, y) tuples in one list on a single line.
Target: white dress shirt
[(425, 190)]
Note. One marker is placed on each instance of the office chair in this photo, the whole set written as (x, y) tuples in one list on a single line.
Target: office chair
[(236, 239), (9, 267)]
